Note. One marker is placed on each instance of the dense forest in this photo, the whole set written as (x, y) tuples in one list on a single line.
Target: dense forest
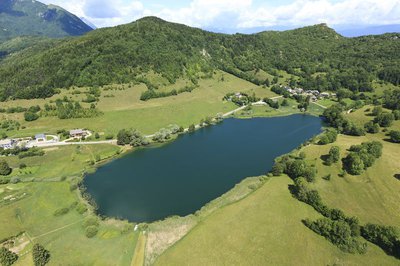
[(321, 58)]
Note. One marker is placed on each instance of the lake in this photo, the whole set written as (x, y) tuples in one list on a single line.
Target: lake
[(180, 177)]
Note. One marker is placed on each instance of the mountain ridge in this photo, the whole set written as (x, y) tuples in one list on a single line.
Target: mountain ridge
[(122, 54), (33, 18)]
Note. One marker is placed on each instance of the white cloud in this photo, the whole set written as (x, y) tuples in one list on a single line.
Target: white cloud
[(241, 13)]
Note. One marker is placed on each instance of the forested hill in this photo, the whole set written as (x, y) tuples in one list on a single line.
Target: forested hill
[(318, 55), (30, 17)]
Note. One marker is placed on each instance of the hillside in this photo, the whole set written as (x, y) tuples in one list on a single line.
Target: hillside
[(27, 17), (317, 54)]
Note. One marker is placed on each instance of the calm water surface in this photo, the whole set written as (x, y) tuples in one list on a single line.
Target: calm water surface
[(181, 177)]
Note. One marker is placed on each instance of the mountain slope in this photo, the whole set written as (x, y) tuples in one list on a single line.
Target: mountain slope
[(30, 17), (123, 53)]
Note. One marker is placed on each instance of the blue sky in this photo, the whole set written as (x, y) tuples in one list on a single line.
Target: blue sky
[(238, 15)]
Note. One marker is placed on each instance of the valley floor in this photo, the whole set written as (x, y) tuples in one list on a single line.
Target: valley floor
[(245, 226)]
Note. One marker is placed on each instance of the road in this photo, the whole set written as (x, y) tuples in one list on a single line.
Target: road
[(243, 107), (324, 107), (114, 142)]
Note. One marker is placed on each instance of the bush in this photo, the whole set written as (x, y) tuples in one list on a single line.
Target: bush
[(5, 169), (22, 166), (91, 231), (61, 211), (339, 233), (394, 136), (362, 156), (333, 155), (30, 116), (81, 208), (371, 127), (192, 128), (386, 237), (329, 137), (384, 119), (40, 255), (7, 258)]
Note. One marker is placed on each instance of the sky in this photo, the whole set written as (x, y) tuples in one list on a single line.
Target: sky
[(239, 15)]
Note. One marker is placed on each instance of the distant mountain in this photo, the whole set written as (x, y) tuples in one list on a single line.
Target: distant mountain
[(33, 18), (89, 23), (345, 30), (126, 53), (354, 31)]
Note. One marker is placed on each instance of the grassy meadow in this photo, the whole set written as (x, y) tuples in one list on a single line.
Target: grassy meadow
[(258, 222), (122, 107)]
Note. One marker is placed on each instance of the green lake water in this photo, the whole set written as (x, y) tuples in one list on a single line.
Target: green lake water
[(179, 178)]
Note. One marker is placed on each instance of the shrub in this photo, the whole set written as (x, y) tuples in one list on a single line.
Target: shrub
[(339, 233), (386, 237), (81, 208), (5, 169), (192, 128), (40, 255), (333, 155), (91, 231), (371, 127), (384, 119), (7, 258), (395, 136), (61, 211), (30, 116)]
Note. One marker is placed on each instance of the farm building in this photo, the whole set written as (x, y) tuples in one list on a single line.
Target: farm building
[(7, 144), (40, 137), (77, 133)]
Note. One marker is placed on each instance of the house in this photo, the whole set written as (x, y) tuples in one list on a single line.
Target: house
[(325, 94), (40, 137), (77, 133), (7, 144)]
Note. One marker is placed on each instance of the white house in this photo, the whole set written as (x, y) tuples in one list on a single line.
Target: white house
[(40, 137), (78, 133), (7, 144)]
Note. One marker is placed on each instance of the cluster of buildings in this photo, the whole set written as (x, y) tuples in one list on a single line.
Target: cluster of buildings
[(315, 95), (39, 139)]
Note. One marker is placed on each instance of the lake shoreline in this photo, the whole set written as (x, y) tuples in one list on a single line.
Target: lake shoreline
[(129, 152)]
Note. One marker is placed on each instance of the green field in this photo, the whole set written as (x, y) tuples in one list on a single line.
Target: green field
[(256, 226), (125, 110)]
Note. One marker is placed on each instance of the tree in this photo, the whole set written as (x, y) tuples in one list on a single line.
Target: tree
[(384, 119), (353, 164), (377, 111), (123, 137), (395, 136), (192, 128), (30, 116), (7, 257), (333, 155), (371, 127), (5, 169), (40, 255)]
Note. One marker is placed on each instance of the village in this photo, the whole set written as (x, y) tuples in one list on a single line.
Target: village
[(44, 140), (314, 95)]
